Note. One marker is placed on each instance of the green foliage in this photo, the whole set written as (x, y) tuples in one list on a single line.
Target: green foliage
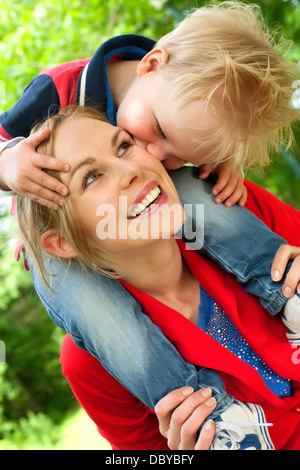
[(35, 35), (33, 395)]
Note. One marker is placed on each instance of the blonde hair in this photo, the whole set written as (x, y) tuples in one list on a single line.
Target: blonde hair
[(35, 219), (225, 56)]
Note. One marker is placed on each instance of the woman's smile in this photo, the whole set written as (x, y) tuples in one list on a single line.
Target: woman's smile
[(150, 196)]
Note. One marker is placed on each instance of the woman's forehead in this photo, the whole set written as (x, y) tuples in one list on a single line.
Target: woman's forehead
[(79, 125), (79, 135)]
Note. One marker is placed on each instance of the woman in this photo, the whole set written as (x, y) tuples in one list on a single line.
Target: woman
[(146, 252)]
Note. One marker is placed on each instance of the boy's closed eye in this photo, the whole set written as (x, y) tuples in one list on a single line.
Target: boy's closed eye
[(159, 131)]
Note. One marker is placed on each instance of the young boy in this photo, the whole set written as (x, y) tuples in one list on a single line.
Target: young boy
[(121, 70)]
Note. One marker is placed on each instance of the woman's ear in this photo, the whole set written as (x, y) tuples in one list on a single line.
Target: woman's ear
[(57, 245), (157, 56)]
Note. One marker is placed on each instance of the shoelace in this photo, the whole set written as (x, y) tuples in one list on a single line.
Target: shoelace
[(233, 433)]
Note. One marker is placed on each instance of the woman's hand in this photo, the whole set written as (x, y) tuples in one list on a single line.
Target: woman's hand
[(21, 171), (292, 281), (181, 413), (229, 186)]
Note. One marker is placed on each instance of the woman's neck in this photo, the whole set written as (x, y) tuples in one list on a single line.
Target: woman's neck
[(162, 273), (153, 269)]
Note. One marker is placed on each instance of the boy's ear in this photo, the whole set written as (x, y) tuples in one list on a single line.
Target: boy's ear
[(57, 245), (157, 56)]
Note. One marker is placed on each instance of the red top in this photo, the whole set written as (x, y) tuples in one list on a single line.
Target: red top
[(128, 424)]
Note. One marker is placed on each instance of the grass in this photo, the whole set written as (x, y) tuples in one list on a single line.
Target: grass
[(80, 433), (77, 432)]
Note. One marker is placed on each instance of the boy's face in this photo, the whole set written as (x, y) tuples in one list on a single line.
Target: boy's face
[(158, 123)]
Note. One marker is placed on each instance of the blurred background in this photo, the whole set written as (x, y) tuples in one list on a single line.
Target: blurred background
[(37, 408)]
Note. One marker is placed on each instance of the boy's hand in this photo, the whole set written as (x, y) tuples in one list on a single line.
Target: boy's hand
[(292, 281), (21, 171), (229, 186)]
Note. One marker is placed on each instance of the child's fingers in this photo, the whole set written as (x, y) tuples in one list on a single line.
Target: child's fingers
[(44, 182), (50, 163), (239, 195), (228, 191), (38, 137), (243, 199), (44, 193), (234, 190), (44, 202), (221, 183), (204, 171), (45, 189)]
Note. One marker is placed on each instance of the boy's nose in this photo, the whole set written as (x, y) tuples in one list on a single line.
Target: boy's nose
[(157, 151), (140, 142)]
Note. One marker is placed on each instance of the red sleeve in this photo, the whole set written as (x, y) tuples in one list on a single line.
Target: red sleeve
[(65, 76), (52, 89), (279, 216), (121, 418)]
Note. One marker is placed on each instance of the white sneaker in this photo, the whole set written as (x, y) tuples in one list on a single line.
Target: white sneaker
[(242, 427), (291, 319)]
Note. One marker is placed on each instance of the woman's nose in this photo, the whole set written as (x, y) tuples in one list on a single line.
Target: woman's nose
[(129, 172)]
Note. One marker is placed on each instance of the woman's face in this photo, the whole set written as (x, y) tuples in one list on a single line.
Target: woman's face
[(122, 196)]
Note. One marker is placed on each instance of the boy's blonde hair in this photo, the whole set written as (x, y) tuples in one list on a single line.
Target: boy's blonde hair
[(224, 55), (35, 219)]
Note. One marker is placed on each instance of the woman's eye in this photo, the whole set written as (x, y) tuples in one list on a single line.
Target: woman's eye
[(123, 147), (90, 178)]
